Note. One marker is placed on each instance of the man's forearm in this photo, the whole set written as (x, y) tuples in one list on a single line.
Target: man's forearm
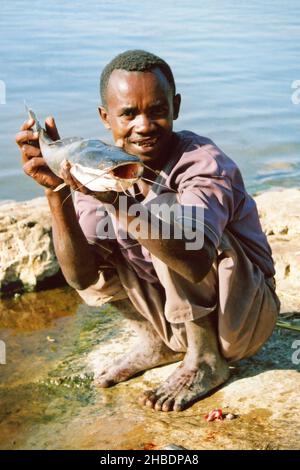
[(193, 265), (75, 256)]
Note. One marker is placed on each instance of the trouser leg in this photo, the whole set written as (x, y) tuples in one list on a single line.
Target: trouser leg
[(235, 291), (248, 306)]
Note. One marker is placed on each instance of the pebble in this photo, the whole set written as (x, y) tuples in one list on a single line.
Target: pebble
[(230, 416)]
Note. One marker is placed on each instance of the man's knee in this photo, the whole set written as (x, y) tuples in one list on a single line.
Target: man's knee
[(108, 288)]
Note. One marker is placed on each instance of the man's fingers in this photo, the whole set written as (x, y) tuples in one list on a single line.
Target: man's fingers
[(33, 165), (27, 124), (66, 175), (119, 143), (80, 187), (71, 181), (25, 136), (28, 152), (51, 128)]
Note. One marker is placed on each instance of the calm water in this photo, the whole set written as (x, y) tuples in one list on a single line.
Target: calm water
[(234, 64)]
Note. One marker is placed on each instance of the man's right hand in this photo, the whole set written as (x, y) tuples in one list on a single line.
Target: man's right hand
[(33, 163)]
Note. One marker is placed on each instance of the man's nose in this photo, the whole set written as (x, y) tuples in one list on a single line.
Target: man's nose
[(143, 124)]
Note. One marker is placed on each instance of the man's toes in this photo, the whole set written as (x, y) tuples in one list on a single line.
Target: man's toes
[(153, 398), (185, 399), (101, 373), (144, 397), (104, 382), (168, 405), (178, 406), (159, 404)]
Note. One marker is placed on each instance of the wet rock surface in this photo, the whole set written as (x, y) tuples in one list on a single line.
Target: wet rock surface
[(47, 398), (54, 345), (26, 250)]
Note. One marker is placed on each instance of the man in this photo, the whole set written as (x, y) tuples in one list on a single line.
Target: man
[(209, 305)]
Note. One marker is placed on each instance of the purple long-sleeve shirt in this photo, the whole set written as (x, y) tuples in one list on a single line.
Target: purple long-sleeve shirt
[(201, 175)]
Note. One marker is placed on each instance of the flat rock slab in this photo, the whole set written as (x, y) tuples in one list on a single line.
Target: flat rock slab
[(48, 400), (263, 394), (54, 345)]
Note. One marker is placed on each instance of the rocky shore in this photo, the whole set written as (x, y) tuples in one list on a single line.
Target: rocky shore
[(280, 218), (55, 344), (27, 256), (28, 260)]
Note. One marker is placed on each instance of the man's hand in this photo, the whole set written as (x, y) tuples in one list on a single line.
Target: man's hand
[(33, 163), (102, 196)]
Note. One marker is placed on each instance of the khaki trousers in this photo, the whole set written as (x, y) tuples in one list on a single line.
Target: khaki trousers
[(235, 291)]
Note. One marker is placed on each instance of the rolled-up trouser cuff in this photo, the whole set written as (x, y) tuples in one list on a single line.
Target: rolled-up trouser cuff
[(108, 288)]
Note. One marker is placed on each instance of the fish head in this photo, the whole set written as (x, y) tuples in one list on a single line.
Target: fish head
[(102, 167)]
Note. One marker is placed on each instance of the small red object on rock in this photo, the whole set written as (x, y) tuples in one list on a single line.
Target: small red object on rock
[(214, 415)]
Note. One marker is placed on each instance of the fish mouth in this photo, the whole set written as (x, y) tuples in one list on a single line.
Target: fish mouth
[(127, 171), (117, 178)]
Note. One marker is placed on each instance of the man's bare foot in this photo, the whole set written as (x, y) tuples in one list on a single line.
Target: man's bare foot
[(202, 370), (186, 384), (150, 351), (144, 356)]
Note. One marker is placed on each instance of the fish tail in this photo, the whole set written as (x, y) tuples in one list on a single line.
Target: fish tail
[(37, 126)]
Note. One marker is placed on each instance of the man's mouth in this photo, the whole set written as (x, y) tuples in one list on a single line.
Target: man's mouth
[(145, 143)]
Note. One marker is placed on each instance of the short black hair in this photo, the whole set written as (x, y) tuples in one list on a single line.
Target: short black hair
[(135, 60)]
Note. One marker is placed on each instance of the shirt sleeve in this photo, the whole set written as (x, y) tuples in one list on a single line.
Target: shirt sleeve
[(89, 214), (202, 185)]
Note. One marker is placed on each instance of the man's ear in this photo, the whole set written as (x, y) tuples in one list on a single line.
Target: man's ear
[(176, 105), (104, 116)]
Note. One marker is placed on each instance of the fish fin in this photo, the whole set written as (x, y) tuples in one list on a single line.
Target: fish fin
[(59, 187), (36, 127), (58, 141), (66, 140)]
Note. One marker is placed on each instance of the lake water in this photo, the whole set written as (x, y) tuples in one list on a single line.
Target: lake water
[(234, 64)]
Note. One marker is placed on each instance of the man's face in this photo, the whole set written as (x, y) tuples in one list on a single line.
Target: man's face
[(140, 109)]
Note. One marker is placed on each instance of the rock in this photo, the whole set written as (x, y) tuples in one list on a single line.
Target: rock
[(280, 218), (173, 447), (260, 398), (26, 250), (48, 400), (279, 212)]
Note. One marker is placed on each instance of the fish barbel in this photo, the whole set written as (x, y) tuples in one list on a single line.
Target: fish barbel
[(96, 165)]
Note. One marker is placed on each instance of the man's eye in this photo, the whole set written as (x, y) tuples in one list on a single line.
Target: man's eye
[(128, 113), (160, 111)]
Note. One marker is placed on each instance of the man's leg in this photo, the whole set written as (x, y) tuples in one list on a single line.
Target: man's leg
[(161, 341), (202, 369), (147, 320), (245, 317), (150, 351)]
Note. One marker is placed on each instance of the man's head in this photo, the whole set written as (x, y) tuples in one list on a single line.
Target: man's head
[(139, 103)]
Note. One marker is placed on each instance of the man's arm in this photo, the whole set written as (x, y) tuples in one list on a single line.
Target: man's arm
[(74, 254), (193, 265)]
